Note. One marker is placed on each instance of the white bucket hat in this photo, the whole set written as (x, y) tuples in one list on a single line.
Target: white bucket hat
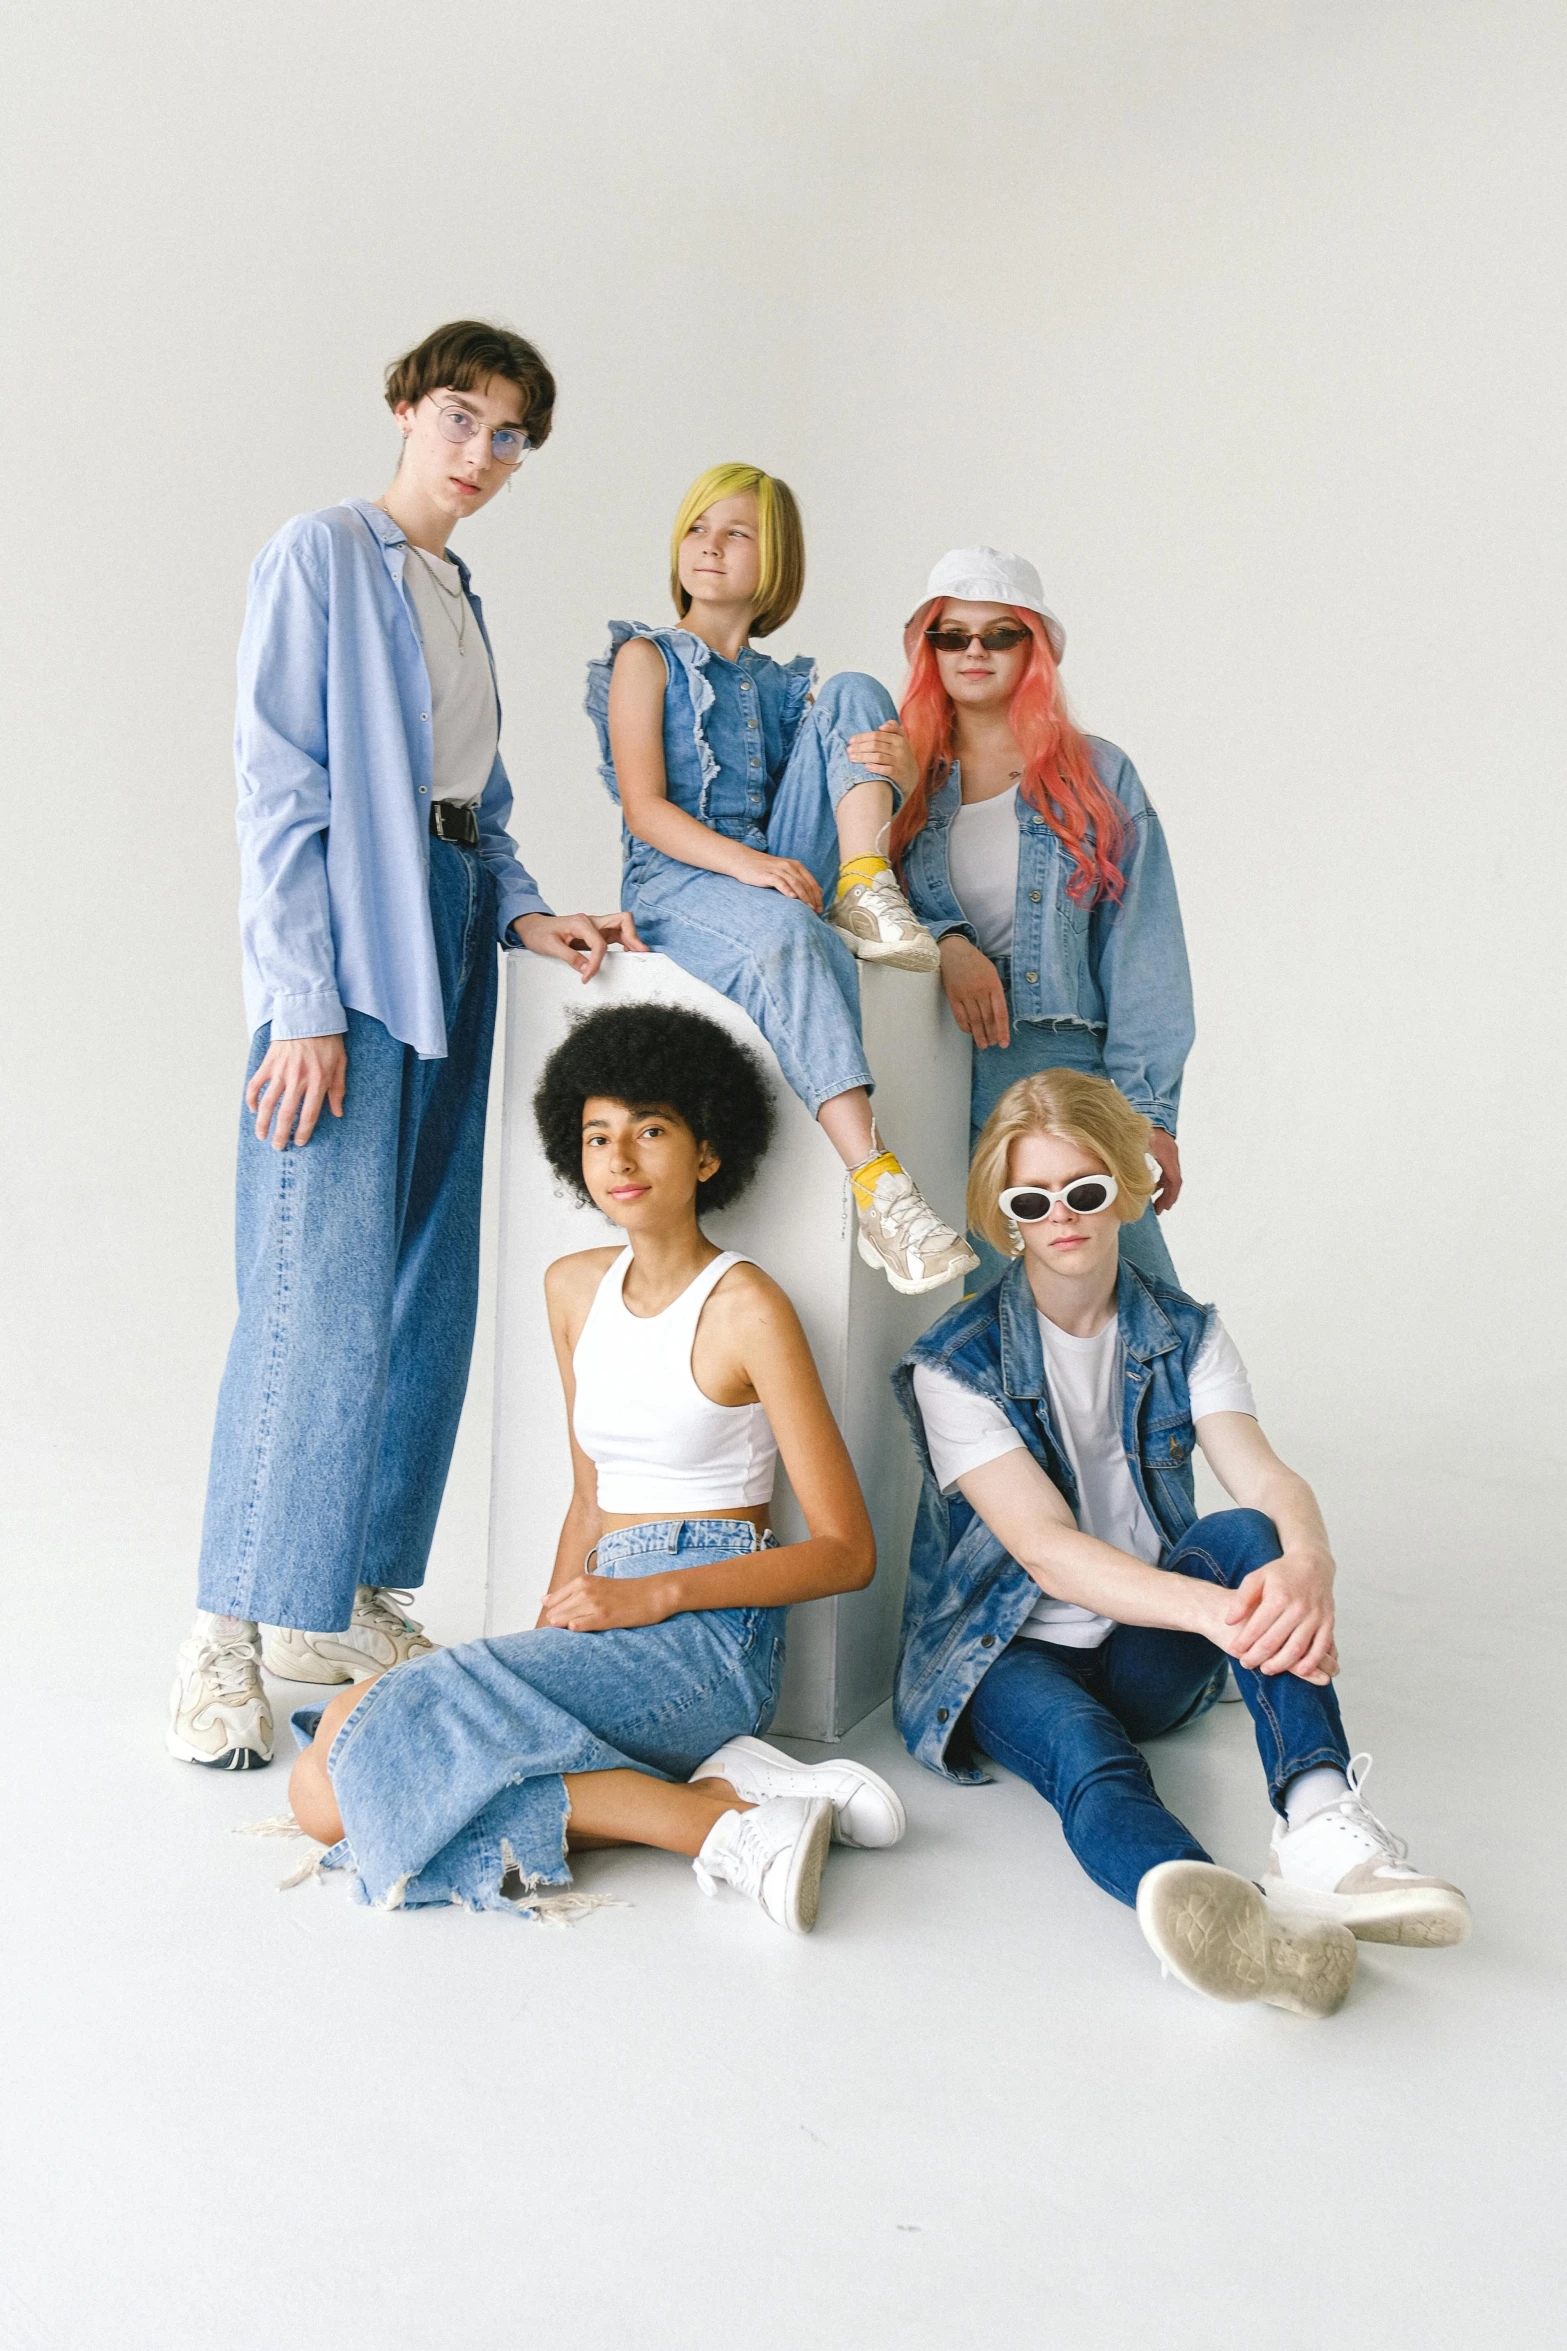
[(983, 575)]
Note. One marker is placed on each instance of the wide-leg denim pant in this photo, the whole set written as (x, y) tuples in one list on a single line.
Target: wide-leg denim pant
[(1066, 1719), (449, 1773), (358, 1269), (1037, 1045), (784, 965)]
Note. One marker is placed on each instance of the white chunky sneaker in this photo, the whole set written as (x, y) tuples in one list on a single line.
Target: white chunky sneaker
[(1215, 1931), (901, 1234), (865, 1810), (775, 1854), (880, 925), (218, 1711), (379, 1636), (1344, 1864)]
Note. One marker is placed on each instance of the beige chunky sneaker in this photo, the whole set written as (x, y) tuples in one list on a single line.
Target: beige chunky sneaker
[(218, 1711), (1215, 1931), (379, 1636), (1343, 1864), (902, 1235), (882, 927)]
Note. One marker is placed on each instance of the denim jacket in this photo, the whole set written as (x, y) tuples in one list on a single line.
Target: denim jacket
[(1118, 966), (966, 1596), (729, 727)]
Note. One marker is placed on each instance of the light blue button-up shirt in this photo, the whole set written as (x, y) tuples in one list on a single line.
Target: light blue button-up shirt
[(334, 752)]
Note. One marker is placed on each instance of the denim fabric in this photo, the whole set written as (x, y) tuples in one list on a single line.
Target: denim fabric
[(771, 777), (334, 755), (966, 1595), (1118, 966), (1037, 1045), (1066, 1720), (358, 1270), (448, 1773)]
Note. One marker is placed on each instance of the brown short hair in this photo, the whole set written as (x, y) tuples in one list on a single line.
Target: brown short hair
[(458, 357), (1083, 1110)]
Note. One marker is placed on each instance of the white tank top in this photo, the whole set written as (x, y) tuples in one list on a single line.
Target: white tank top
[(659, 1444)]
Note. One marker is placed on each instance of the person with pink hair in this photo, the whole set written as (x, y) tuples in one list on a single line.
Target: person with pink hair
[(1033, 855)]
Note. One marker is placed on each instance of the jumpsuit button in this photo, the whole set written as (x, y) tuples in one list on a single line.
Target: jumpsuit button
[(1032, 978), (424, 787), (425, 717), (987, 1640), (1034, 897), (941, 1714)]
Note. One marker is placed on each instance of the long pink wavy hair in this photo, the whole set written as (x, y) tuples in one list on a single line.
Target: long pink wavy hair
[(1060, 780)]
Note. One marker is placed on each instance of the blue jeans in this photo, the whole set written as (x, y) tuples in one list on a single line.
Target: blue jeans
[(449, 1772), (1065, 1719), (358, 1269), (784, 965), (1037, 1045)]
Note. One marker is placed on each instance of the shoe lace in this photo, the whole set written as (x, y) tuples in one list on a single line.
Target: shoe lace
[(385, 1607), (905, 1211), (1355, 1808), (746, 1855), (883, 896), (232, 1665)]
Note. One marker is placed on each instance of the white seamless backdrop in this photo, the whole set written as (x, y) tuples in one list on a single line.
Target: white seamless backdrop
[(1242, 320)]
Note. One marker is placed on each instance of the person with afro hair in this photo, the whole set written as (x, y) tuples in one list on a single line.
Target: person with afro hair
[(628, 1713)]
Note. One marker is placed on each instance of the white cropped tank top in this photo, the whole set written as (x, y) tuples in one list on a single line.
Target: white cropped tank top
[(658, 1443)]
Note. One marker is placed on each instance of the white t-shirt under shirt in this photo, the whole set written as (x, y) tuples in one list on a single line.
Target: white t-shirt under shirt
[(464, 717), (1086, 1379), (982, 867)]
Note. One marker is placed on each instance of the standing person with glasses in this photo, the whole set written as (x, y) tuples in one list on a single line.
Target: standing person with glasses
[(1066, 1603), (1033, 854), (377, 873)]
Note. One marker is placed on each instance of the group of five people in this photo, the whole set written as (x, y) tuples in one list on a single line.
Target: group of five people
[(1065, 1600)]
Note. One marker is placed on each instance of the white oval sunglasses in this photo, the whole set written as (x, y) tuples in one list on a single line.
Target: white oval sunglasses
[(1031, 1203)]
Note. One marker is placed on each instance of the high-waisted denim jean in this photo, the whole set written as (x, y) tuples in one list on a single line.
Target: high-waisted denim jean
[(784, 965), (449, 1773), (358, 1268), (1065, 1719), (1037, 1045)]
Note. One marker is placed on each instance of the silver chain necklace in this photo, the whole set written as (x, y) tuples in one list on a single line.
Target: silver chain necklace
[(457, 621)]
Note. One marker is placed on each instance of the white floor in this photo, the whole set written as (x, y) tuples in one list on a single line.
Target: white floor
[(965, 2112)]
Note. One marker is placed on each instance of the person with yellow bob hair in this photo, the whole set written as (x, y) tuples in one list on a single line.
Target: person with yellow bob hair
[(1066, 1602), (755, 846)]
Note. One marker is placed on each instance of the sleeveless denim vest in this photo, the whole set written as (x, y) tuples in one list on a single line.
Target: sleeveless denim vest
[(729, 727), (966, 1596)]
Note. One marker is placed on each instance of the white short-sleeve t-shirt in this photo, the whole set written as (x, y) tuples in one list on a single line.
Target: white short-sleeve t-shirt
[(982, 867), (1085, 1378)]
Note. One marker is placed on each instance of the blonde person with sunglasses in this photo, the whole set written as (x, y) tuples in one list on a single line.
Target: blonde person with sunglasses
[(377, 876), (1066, 1603), (1033, 854)]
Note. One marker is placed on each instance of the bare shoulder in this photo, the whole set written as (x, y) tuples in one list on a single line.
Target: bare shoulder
[(571, 1281), (747, 1299), (639, 659)]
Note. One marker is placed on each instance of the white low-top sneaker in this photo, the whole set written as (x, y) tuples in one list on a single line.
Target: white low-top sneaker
[(865, 1810), (379, 1635), (901, 1234), (1344, 1864), (879, 924), (1215, 1931), (218, 1711), (775, 1854)]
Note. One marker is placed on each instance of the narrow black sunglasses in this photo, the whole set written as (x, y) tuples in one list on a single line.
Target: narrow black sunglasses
[(1001, 638)]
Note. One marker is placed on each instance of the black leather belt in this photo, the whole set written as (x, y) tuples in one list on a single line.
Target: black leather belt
[(454, 820)]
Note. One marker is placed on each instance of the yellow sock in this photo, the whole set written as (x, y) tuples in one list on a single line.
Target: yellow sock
[(861, 869), (869, 1173)]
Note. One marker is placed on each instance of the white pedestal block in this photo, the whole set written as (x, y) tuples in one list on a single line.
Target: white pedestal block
[(797, 1221)]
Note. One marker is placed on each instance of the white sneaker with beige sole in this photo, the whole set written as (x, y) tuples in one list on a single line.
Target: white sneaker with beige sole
[(1344, 1864)]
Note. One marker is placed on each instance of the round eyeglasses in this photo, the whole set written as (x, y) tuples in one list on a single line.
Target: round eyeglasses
[(509, 445), (1031, 1203)]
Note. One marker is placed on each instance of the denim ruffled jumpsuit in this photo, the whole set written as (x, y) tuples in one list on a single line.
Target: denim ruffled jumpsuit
[(748, 752)]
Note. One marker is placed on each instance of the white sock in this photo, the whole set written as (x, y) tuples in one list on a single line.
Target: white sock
[(224, 1628), (1309, 1791)]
